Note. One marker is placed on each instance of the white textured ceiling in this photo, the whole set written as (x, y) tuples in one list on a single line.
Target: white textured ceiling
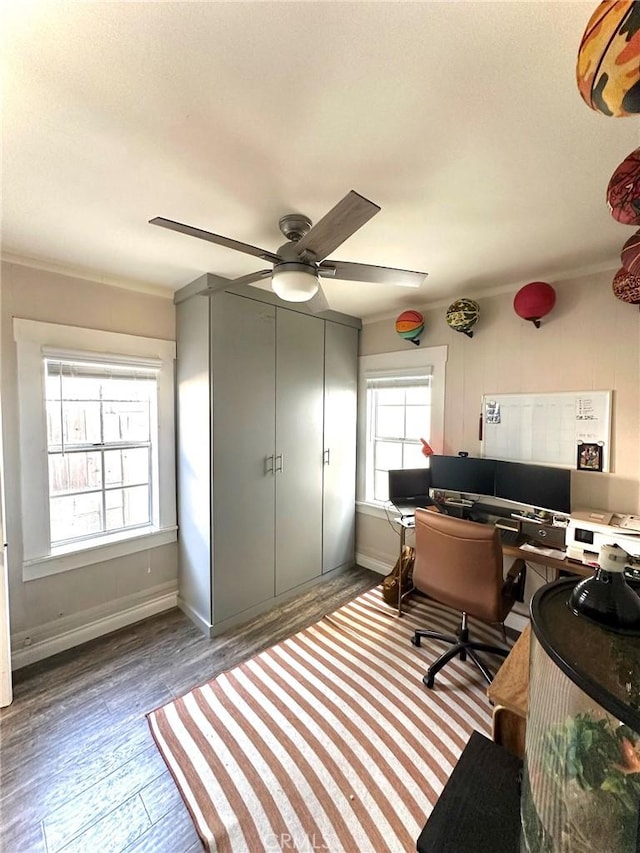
[(462, 120)]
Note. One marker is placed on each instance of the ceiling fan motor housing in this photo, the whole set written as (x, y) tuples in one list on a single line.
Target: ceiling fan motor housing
[(294, 226)]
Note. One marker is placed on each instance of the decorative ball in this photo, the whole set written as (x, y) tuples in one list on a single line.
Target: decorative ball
[(410, 325), (462, 315), (534, 301), (630, 255), (627, 286), (623, 192), (608, 71)]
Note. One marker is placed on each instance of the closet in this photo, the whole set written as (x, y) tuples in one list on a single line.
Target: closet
[(266, 449)]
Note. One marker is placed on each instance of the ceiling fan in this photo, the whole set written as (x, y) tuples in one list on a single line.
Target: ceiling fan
[(301, 261)]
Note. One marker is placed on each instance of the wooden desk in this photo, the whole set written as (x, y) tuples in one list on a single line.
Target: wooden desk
[(564, 565), (514, 551), (509, 693)]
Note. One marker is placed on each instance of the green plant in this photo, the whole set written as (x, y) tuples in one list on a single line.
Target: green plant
[(602, 759)]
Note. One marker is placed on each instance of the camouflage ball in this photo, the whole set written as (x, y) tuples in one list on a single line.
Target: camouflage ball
[(462, 315), (608, 71)]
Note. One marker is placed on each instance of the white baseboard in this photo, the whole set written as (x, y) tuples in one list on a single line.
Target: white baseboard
[(202, 624), (374, 564), (65, 635)]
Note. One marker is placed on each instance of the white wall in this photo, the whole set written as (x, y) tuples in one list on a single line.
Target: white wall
[(61, 610), (591, 340)]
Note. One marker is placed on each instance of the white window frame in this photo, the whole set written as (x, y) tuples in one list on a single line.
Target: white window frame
[(33, 340), (430, 359)]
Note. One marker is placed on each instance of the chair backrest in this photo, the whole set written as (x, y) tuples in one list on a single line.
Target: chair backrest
[(459, 563)]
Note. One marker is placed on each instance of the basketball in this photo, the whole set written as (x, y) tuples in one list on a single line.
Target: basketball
[(608, 67), (410, 325), (623, 191), (462, 315), (626, 286), (534, 301), (630, 255)]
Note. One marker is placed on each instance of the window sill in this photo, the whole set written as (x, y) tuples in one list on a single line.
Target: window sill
[(377, 510), (93, 551)]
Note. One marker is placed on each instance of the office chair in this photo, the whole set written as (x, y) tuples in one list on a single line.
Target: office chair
[(459, 563)]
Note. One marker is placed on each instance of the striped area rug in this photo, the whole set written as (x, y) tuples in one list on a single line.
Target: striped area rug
[(329, 740)]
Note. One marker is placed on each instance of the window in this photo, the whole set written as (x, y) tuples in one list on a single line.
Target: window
[(401, 401), (101, 446), (97, 450), (398, 416)]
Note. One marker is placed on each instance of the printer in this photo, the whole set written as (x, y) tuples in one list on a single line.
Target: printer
[(589, 529)]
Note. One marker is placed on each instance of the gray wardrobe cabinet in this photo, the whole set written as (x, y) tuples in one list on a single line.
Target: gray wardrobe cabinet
[(266, 452)]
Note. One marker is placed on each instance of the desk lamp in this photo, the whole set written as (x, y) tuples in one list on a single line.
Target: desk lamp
[(606, 598)]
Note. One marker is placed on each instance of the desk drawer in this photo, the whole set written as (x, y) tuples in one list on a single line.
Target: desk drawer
[(544, 534)]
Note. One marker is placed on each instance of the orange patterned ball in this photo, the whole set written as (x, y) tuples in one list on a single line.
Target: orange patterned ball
[(608, 67), (410, 325)]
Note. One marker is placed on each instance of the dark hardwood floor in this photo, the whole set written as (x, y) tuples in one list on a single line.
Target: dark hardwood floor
[(79, 770)]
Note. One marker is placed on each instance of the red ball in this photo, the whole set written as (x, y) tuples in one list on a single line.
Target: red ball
[(627, 286), (630, 255), (623, 192), (534, 300)]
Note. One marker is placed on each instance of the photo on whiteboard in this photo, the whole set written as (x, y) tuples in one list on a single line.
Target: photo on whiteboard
[(590, 456), (493, 412)]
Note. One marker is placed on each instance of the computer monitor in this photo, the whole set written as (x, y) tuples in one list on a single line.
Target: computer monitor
[(534, 485), (409, 483), (463, 474)]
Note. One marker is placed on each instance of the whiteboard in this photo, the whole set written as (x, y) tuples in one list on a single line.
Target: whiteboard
[(545, 429)]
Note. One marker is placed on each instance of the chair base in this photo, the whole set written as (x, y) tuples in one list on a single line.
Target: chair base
[(461, 646)]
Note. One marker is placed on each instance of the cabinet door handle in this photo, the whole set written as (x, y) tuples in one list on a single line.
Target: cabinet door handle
[(280, 464), (268, 465), (326, 457)]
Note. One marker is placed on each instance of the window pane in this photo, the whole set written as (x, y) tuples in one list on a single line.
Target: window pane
[(390, 396), (381, 486), (81, 422), (390, 423), (74, 472), (127, 507), (126, 421), (75, 515), (125, 390), (126, 467), (54, 426), (417, 421), (412, 457), (418, 396), (52, 387), (387, 454), (80, 388)]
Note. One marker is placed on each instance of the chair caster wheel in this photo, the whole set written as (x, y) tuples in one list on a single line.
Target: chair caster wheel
[(415, 641), (428, 680)]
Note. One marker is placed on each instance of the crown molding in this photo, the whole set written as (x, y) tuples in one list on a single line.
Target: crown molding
[(86, 273)]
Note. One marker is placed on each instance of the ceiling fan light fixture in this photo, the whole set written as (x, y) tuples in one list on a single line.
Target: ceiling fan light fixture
[(294, 282)]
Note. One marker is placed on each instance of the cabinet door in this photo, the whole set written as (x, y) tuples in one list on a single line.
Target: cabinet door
[(299, 419), (340, 411), (243, 363)]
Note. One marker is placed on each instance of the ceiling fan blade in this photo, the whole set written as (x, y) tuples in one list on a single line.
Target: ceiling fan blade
[(318, 303), (335, 227), (215, 238), (347, 271), (226, 283)]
